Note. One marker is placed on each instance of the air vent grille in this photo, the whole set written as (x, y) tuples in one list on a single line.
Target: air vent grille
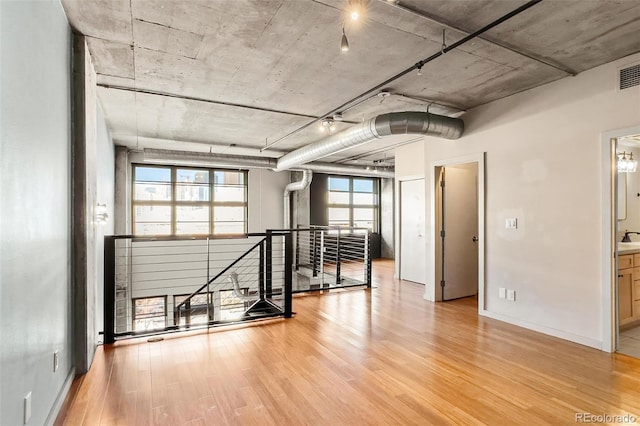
[(630, 77)]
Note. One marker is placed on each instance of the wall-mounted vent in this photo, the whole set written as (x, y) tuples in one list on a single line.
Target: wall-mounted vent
[(630, 77)]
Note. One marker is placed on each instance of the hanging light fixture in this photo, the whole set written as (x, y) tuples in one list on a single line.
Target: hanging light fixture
[(344, 45), (626, 163), (354, 9)]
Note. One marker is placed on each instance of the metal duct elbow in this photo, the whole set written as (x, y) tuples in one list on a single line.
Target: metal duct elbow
[(395, 123), (307, 176)]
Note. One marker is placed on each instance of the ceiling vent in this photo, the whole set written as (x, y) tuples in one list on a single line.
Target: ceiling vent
[(629, 77)]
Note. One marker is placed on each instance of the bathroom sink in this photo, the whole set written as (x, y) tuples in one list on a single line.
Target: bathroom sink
[(624, 247)]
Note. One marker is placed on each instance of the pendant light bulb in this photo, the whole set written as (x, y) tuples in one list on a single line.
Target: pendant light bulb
[(344, 45)]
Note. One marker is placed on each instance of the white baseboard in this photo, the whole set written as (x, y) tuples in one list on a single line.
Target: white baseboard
[(55, 410), (587, 341)]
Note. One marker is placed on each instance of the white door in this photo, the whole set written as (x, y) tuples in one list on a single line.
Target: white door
[(460, 205), (413, 251)]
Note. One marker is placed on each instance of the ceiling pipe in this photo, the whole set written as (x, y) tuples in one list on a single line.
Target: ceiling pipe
[(418, 65), (205, 159), (307, 176), (395, 123)]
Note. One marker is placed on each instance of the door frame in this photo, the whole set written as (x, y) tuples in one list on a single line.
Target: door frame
[(609, 249), (398, 224), (432, 292)]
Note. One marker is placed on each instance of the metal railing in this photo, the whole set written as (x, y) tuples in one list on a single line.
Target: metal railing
[(328, 257), (155, 285)]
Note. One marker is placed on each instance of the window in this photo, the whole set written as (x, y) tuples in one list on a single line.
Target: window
[(353, 202), (197, 310), (187, 201), (149, 313)]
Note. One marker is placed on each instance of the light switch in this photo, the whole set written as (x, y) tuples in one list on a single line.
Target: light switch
[(502, 293), (511, 295), (512, 223)]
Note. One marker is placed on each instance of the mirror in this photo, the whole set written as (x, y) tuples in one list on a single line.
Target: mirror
[(622, 196)]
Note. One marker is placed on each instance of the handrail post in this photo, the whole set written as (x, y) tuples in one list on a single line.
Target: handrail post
[(109, 289), (288, 275), (367, 257), (298, 248), (338, 257), (269, 264), (261, 271), (209, 316), (314, 248), (322, 256)]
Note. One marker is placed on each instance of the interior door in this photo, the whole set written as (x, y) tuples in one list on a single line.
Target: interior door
[(460, 214), (413, 250)]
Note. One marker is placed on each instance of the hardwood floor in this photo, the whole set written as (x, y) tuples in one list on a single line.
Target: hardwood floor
[(380, 356)]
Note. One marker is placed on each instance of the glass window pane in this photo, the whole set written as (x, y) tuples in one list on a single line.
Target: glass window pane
[(228, 214), (192, 219), (152, 191), (223, 193), (228, 178), (152, 174), (338, 216), (152, 220), (192, 176), (338, 197), (220, 228), (192, 228), (363, 224), (149, 314), (361, 198), (338, 184), (362, 185), (192, 192), (363, 214)]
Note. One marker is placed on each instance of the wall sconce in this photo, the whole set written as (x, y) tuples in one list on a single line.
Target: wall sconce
[(102, 216), (626, 163)]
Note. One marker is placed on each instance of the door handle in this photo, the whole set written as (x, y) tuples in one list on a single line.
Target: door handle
[(474, 239)]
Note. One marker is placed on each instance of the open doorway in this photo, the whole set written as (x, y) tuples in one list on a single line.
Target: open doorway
[(457, 217), (627, 245)]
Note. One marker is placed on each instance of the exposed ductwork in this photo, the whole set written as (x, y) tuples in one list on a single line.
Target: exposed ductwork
[(164, 156), (395, 123), (304, 183)]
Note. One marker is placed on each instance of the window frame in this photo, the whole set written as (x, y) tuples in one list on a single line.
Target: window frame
[(174, 203), (350, 205)]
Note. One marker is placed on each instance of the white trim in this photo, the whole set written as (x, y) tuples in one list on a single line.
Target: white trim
[(587, 341), (62, 396), (608, 243), (479, 158)]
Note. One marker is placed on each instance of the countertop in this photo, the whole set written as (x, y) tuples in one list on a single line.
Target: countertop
[(628, 248)]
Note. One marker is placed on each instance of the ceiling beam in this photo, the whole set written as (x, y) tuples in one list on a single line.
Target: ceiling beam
[(196, 99)]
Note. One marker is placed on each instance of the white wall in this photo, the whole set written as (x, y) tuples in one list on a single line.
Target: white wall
[(543, 167), (105, 180), (36, 308)]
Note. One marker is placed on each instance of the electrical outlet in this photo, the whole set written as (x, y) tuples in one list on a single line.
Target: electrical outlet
[(511, 295), (502, 293), (56, 361), (511, 223), (27, 408)]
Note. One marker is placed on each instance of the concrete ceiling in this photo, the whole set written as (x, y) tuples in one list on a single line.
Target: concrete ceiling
[(233, 75)]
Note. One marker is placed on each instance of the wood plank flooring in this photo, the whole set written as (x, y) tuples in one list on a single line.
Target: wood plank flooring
[(380, 356)]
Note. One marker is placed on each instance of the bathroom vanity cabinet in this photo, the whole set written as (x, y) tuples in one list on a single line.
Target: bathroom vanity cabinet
[(628, 288)]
